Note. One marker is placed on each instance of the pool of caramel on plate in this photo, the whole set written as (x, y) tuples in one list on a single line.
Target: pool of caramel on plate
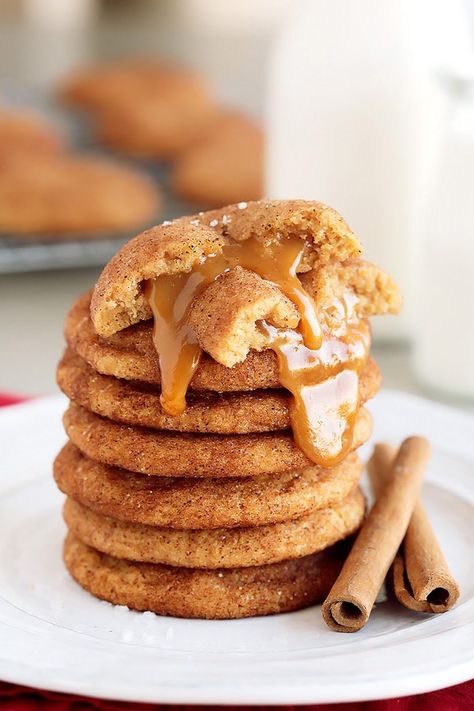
[(320, 369)]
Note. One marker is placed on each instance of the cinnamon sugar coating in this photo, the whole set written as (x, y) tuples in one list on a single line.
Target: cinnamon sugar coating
[(220, 547), (211, 594), (206, 411), (202, 503), (161, 453)]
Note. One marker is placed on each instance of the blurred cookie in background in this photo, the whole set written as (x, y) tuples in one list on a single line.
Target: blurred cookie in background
[(95, 87), (25, 132), (224, 165), (58, 197), (158, 126), (143, 108)]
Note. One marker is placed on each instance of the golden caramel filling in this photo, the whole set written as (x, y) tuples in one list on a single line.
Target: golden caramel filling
[(324, 383), (321, 370)]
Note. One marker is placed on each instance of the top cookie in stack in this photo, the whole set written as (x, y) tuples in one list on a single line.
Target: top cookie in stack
[(217, 379)]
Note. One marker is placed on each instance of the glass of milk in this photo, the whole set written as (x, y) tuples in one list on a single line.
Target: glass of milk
[(444, 336), (356, 117)]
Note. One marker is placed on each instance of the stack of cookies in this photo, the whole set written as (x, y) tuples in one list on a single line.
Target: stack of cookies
[(197, 485)]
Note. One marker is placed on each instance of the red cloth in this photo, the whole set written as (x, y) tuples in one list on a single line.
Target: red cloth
[(19, 698), (9, 399), (22, 698)]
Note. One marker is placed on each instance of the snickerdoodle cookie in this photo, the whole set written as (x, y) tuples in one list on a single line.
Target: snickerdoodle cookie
[(148, 451), (23, 132), (220, 547), (212, 594), (70, 195), (224, 165), (143, 107), (194, 503), (136, 403)]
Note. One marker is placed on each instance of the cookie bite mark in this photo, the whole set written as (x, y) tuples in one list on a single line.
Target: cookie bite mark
[(372, 291)]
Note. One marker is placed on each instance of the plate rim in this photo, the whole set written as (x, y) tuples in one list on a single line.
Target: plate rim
[(226, 695), (279, 692)]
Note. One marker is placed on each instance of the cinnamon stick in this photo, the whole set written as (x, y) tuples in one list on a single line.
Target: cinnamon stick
[(421, 578), (351, 599)]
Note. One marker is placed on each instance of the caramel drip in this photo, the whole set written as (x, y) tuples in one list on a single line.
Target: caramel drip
[(320, 370), (278, 263), (324, 383), (170, 297), (179, 353)]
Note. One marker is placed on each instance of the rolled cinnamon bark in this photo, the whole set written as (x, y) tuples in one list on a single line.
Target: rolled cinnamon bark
[(351, 599), (422, 580)]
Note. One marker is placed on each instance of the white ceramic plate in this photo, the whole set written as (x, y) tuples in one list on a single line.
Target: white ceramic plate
[(54, 635)]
